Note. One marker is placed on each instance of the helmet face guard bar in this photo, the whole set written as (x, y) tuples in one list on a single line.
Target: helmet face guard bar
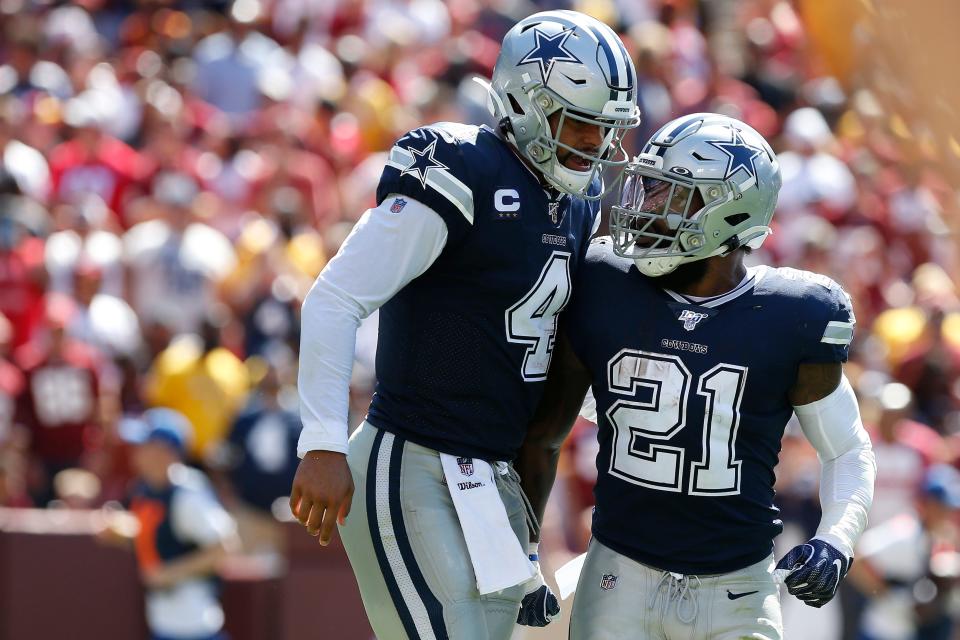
[(657, 216)]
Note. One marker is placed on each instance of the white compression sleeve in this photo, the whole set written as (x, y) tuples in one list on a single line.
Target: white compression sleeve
[(848, 469), (381, 255)]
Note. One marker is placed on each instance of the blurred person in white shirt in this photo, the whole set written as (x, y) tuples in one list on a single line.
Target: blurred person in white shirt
[(84, 235), (176, 261), (182, 533), (27, 165), (904, 450), (102, 320), (908, 566)]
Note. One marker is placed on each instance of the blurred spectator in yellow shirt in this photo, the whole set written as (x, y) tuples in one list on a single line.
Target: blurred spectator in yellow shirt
[(903, 329), (203, 381)]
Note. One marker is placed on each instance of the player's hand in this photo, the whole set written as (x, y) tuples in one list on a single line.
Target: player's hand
[(322, 493), (816, 569), (539, 605)]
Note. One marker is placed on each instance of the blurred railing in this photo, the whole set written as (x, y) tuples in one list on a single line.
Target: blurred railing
[(58, 582)]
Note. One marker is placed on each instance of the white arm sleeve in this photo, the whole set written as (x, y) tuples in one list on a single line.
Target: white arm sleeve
[(848, 469), (381, 255)]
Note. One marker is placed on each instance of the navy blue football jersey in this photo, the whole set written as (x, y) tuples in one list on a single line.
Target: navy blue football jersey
[(692, 401), (464, 348)]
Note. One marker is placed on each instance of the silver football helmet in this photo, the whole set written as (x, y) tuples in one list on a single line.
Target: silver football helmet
[(566, 62), (704, 185)]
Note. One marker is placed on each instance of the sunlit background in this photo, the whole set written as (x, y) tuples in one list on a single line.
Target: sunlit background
[(174, 175)]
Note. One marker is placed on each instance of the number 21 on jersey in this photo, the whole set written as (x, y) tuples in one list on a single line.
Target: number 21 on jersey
[(533, 319), (664, 415)]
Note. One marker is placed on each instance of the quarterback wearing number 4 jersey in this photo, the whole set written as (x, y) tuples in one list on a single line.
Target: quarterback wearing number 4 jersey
[(694, 379), (470, 256)]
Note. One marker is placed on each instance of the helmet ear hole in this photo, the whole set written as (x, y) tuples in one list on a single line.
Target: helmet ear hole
[(517, 109), (736, 218)]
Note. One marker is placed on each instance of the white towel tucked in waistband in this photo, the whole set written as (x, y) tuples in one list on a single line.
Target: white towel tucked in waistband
[(499, 560)]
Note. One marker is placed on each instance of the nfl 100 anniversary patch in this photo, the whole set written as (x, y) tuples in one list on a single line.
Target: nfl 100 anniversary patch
[(691, 319)]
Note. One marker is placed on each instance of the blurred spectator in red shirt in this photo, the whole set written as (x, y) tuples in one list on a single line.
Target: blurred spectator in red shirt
[(22, 274), (61, 402), (11, 385), (166, 148), (90, 161), (288, 167)]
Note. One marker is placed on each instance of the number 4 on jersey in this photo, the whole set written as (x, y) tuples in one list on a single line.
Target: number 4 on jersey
[(533, 319)]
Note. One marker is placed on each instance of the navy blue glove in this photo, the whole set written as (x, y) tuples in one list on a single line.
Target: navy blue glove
[(538, 608), (816, 569), (539, 605)]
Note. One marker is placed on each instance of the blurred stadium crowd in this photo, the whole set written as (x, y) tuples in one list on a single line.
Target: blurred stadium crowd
[(174, 175)]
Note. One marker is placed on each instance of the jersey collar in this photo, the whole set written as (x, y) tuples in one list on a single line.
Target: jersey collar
[(753, 275)]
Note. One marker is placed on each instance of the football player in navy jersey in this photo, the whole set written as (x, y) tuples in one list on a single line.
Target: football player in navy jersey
[(695, 369), (470, 255)]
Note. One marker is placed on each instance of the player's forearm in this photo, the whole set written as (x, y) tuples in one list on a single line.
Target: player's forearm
[(327, 341), (832, 425), (536, 464), (846, 493), (567, 384)]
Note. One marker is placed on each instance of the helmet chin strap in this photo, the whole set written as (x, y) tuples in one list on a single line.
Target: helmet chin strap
[(573, 181), (656, 267)]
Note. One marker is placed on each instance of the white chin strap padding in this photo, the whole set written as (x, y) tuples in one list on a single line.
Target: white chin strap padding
[(655, 267), (573, 181)]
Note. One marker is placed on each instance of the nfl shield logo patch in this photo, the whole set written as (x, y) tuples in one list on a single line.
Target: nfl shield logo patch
[(398, 205), (608, 582), (466, 466)]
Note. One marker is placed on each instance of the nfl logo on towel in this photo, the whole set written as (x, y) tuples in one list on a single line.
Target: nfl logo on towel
[(466, 466), (608, 581), (398, 205)]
